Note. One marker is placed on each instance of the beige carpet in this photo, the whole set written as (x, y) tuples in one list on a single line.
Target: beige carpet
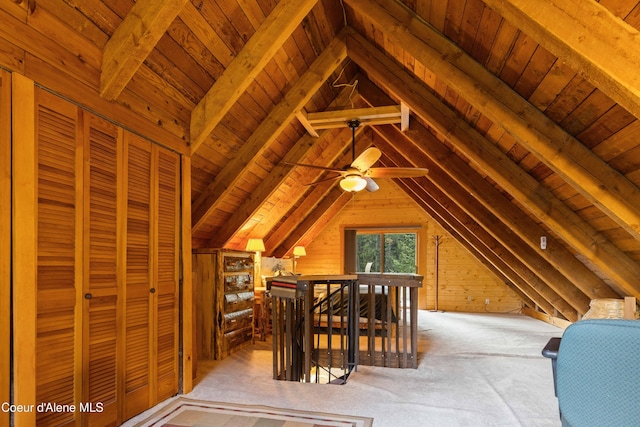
[(478, 369), (184, 412)]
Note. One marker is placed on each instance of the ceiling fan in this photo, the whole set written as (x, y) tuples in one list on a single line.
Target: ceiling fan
[(359, 174)]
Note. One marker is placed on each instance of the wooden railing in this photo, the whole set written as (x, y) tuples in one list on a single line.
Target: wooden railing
[(324, 326), (390, 321)]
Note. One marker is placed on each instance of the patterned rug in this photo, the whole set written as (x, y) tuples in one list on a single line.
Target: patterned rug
[(196, 413)]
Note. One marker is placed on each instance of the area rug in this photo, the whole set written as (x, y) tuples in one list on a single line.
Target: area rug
[(197, 413)]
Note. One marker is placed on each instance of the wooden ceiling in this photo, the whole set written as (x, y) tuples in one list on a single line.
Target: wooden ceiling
[(525, 113)]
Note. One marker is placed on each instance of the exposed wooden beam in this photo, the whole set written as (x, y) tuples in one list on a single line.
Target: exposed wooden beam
[(622, 271), (440, 207), (238, 75), (366, 116), (302, 118), (404, 116), (290, 231), (440, 156), (293, 218), (499, 266), (132, 42), (269, 185), (512, 219), (603, 186), (326, 209), (270, 128), (587, 37), (464, 204)]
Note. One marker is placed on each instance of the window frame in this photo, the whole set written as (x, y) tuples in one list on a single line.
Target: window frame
[(416, 230)]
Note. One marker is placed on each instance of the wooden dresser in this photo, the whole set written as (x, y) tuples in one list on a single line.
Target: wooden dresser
[(223, 282)]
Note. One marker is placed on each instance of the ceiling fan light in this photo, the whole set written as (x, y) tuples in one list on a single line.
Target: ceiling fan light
[(353, 183)]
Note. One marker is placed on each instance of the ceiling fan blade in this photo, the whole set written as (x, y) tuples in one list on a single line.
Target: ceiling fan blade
[(366, 159), (338, 170), (371, 185), (396, 172)]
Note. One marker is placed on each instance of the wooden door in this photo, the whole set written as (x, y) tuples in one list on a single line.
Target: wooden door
[(137, 293), (101, 308), (167, 253), (151, 321), (59, 256)]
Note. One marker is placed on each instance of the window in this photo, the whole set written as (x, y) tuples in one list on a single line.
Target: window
[(396, 251)]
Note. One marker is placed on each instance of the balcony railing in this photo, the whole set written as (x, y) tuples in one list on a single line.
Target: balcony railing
[(324, 326)]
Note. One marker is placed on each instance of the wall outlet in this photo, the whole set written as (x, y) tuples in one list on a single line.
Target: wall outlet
[(486, 301)]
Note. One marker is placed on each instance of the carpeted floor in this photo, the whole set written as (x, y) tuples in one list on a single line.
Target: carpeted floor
[(474, 370)]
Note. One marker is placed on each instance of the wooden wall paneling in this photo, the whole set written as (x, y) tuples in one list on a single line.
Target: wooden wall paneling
[(24, 240), (102, 283), (5, 242), (203, 282), (137, 315), (59, 252), (167, 251)]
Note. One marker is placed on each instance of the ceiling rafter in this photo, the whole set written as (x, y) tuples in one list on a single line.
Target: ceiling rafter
[(603, 186), (621, 269), (509, 221), (279, 117), (443, 209), (586, 35), (310, 210), (239, 74), (272, 181), (529, 297), (494, 229), (438, 155), (309, 202), (326, 209), (132, 42), (500, 259)]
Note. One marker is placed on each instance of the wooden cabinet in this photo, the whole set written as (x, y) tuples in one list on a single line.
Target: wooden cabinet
[(224, 301)]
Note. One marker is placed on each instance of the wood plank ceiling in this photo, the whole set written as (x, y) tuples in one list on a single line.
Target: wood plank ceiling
[(525, 113)]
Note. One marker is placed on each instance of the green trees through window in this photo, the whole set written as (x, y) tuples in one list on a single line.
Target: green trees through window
[(395, 251)]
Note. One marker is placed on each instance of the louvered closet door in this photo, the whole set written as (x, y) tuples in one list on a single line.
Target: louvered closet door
[(103, 153), (152, 234), (168, 231), (138, 317), (59, 174)]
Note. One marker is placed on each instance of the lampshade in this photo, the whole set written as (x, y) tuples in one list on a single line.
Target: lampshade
[(353, 183), (255, 245), (299, 251)]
